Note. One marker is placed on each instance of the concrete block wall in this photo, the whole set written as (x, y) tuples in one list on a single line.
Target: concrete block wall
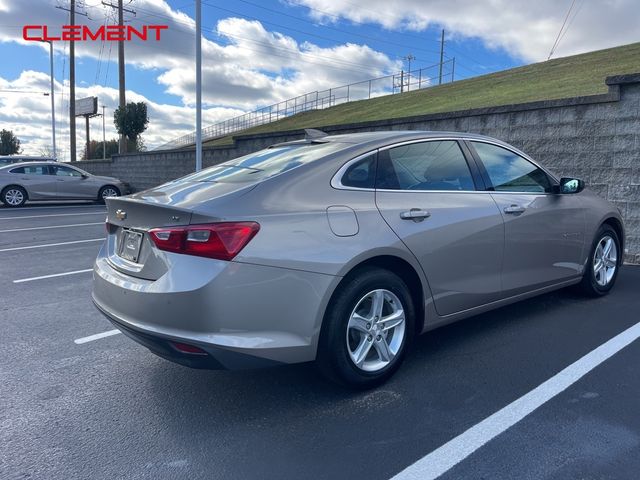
[(596, 138)]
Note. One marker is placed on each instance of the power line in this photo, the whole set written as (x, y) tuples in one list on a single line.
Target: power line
[(295, 17), (557, 41)]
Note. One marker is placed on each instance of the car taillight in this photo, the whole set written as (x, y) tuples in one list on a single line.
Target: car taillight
[(222, 241)]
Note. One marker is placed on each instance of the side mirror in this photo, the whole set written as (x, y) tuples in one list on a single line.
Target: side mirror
[(571, 185), (85, 176)]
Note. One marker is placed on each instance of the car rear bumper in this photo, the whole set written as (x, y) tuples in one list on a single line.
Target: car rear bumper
[(241, 315), (164, 346)]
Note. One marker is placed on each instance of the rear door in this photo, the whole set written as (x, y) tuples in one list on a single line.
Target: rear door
[(544, 231), (36, 179), (430, 195)]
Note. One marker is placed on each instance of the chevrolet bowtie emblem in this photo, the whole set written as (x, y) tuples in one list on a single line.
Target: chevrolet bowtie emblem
[(121, 214)]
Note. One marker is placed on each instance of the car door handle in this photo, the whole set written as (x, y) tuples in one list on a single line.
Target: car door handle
[(416, 214), (514, 209)]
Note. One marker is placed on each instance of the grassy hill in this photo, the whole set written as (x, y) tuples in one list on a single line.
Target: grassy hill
[(559, 78)]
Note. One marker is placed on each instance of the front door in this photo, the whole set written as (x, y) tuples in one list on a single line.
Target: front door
[(426, 193), (72, 184), (544, 231)]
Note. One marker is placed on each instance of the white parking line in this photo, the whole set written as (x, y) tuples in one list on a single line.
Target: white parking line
[(29, 208), (102, 212), (97, 336), (51, 226), (13, 249), (22, 280), (453, 452)]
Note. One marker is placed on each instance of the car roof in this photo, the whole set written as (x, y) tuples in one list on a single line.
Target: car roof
[(30, 164), (393, 136)]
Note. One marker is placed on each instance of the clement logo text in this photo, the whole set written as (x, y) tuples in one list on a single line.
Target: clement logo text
[(83, 33)]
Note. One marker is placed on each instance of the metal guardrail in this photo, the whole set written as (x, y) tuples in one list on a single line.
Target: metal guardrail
[(318, 100)]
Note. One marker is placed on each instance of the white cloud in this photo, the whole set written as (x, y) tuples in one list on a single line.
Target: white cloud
[(245, 68), (29, 115), (526, 29)]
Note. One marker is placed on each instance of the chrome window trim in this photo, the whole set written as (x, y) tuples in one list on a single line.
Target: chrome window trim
[(336, 180)]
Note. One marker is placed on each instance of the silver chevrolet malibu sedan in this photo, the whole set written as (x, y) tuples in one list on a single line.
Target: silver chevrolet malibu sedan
[(50, 180), (341, 249)]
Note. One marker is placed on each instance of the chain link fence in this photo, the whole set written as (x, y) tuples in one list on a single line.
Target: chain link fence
[(318, 100)]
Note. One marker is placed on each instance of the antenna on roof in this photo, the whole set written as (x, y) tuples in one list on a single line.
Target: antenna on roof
[(314, 134)]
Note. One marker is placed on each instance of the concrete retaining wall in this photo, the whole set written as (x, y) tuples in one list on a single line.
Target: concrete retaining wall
[(596, 138)]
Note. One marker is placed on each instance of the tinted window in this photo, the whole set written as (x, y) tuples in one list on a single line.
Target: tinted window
[(510, 172), (361, 174), (435, 165), (265, 163), (66, 172), (35, 170)]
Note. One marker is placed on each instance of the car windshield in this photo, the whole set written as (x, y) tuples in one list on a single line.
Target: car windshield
[(265, 163)]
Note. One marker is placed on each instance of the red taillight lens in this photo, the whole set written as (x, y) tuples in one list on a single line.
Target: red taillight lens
[(222, 241)]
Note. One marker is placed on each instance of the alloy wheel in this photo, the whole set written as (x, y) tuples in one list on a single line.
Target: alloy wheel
[(605, 261), (14, 197), (376, 330), (109, 192)]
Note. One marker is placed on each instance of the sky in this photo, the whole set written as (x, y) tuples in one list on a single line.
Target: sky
[(259, 52)]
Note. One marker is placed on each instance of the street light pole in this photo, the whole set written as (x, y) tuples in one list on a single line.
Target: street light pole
[(53, 103), (198, 85), (104, 138)]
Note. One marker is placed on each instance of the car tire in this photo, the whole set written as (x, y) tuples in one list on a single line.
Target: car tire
[(604, 262), (14, 196), (346, 333), (106, 192)]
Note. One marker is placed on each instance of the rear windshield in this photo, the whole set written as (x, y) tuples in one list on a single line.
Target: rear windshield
[(265, 163)]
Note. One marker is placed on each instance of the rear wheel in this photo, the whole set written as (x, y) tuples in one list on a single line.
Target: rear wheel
[(14, 196), (603, 265), (108, 191), (367, 329)]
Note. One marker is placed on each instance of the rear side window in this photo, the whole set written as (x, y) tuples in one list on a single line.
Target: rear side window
[(35, 170), (362, 174), (509, 172), (432, 165), (265, 163)]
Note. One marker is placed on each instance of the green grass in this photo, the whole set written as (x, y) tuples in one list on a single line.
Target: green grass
[(559, 78)]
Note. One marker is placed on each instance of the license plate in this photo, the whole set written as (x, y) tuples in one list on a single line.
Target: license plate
[(130, 245)]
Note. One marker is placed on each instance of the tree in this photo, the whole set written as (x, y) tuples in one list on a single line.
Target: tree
[(131, 120), (9, 143), (95, 149)]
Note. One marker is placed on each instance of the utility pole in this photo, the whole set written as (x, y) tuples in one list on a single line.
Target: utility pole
[(441, 57), (72, 81), (408, 58), (121, 77), (104, 138), (72, 85), (401, 81), (123, 140), (198, 85), (453, 70)]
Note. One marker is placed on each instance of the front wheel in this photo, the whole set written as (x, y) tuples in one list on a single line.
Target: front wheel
[(108, 191), (603, 265), (367, 329)]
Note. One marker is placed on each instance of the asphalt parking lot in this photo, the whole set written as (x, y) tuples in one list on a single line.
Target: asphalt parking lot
[(78, 401)]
